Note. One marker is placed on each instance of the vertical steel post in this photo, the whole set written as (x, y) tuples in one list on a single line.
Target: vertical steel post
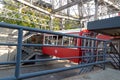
[(96, 9), (31, 1), (69, 42), (119, 61), (92, 51), (57, 40), (18, 57), (62, 40), (44, 39), (104, 54), (119, 53)]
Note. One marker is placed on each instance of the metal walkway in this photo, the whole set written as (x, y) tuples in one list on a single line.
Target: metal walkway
[(91, 52), (108, 74), (109, 26)]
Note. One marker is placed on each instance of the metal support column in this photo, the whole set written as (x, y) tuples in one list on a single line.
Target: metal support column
[(104, 54), (18, 57), (119, 61), (96, 9), (51, 22), (80, 12)]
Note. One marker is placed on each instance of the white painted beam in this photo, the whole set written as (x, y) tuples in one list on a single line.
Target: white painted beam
[(66, 6), (45, 11), (30, 5), (111, 4), (69, 5)]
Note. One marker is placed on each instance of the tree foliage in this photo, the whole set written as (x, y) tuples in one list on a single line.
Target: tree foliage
[(25, 16)]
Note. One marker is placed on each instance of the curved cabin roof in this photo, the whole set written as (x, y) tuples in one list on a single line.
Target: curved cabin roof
[(70, 31), (109, 26)]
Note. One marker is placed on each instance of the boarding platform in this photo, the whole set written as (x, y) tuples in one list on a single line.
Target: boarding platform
[(109, 26)]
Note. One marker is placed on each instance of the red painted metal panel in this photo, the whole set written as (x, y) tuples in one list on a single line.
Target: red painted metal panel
[(62, 52), (67, 52), (105, 37)]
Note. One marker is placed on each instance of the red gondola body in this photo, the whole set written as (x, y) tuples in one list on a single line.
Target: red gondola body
[(68, 52)]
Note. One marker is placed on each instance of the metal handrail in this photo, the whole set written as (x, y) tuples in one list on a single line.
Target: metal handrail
[(49, 59), (19, 45), (115, 57), (34, 74), (13, 26)]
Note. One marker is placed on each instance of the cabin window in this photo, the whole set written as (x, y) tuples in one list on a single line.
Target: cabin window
[(59, 40), (72, 41), (50, 40), (46, 40), (68, 41), (65, 41)]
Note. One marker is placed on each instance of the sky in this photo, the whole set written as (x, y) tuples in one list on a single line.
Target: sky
[(1, 5)]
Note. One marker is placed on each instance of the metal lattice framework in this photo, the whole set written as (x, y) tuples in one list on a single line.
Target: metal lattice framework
[(6, 13), (78, 10)]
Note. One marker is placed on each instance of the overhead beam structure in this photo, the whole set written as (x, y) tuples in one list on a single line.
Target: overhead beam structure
[(69, 5), (111, 4), (85, 17), (109, 26), (45, 11), (74, 2), (96, 9), (30, 5)]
